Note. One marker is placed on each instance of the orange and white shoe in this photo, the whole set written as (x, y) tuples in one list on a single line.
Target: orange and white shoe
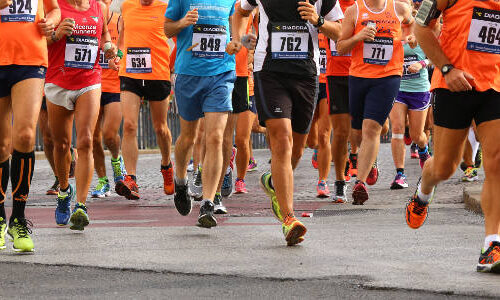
[(489, 260), (416, 210), (293, 230)]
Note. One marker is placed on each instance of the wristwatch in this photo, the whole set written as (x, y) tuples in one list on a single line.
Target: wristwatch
[(320, 23), (446, 69)]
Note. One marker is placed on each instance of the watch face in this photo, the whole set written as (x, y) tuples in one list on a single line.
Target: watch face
[(446, 69)]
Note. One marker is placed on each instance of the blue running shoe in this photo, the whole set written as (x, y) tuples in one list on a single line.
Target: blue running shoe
[(102, 189), (119, 171), (63, 209), (79, 217), (227, 184)]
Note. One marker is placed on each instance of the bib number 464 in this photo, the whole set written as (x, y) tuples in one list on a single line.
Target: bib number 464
[(489, 35)]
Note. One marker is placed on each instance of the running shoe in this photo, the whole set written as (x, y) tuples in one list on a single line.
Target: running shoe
[(206, 219), (293, 230), (470, 175), (72, 166), (399, 182), (227, 183), (190, 167), (102, 189), (416, 210), (489, 260), (424, 156), (340, 192), (118, 166), (240, 186), (127, 188), (478, 161), (219, 208), (19, 232), (197, 190), (414, 151), (252, 165), (322, 189), (231, 161), (314, 159), (353, 166), (63, 209), (347, 172), (373, 175), (79, 218), (265, 183), (182, 200), (359, 193), (3, 231), (54, 189), (168, 179), (407, 137)]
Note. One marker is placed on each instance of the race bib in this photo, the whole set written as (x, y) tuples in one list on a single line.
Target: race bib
[(410, 60), (210, 41), (378, 52), (289, 41), (138, 60), (322, 60), (484, 34), (20, 11), (103, 61), (333, 49), (81, 52)]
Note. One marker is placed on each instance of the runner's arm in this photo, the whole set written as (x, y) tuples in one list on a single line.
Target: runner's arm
[(240, 19), (52, 17), (172, 28), (105, 36), (121, 26), (348, 40), (404, 12)]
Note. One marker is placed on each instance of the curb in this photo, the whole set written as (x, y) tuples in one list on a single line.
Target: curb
[(472, 199), (40, 155)]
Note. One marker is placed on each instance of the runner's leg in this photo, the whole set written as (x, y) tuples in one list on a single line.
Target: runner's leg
[(131, 104), (97, 149), (159, 113), (215, 125)]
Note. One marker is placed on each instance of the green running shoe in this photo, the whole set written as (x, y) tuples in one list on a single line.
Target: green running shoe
[(19, 232), (3, 231), (79, 218), (265, 183)]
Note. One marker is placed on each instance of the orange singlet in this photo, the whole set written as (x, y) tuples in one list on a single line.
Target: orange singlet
[(338, 65), (470, 38), (385, 55), (323, 46), (21, 42), (110, 82), (146, 54)]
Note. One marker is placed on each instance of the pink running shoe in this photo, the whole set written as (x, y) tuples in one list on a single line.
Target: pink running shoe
[(314, 159), (240, 187), (252, 165), (322, 189)]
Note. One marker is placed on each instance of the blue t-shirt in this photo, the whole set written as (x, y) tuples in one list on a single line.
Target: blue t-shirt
[(414, 82), (211, 34)]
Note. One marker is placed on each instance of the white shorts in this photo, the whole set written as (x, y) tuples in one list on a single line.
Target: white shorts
[(66, 98)]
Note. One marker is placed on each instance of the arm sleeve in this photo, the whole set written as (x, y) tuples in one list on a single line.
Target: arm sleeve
[(248, 4), (232, 8), (174, 10)]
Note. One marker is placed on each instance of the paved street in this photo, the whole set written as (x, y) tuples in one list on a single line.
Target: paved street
[(146, 249)]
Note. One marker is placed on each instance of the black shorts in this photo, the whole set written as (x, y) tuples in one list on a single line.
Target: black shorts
[(457, 110), (12, 74), (338, 94), (240, 97), (322, 94), (151, 90), (107, 98), (44, 103), (284, 95)]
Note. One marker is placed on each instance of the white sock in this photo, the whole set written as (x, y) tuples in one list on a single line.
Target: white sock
[(421, 195), (474, 143), (228, 170), (490, 238), (180, 181)]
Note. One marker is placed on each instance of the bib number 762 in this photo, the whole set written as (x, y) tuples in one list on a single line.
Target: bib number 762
[(291, 43)]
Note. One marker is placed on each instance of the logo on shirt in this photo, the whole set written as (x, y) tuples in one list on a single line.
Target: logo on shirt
[(364, 16), (96, 19)]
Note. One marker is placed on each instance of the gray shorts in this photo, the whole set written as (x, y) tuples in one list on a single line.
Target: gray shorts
[(66, 98)]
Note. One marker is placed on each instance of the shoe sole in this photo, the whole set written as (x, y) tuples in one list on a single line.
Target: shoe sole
[(359, 197), (241, 192), (252, 170), (226, 194), (19, 251), (296, 235), (322, 196), (207, 221), (339, 201), (396, 186), (220, 212), (470, 179), (493, 268), (78, 221), (107, 194), (122, 190), (169, 192), (52, 193)]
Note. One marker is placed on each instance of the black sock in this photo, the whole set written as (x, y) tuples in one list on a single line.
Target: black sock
[(65, 189), (21, 173), (166, 167), (400, 170), (133, 177), (353, 156), (407, 131), (4, 177)]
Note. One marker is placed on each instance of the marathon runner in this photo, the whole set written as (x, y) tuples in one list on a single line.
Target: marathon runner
[(202, 30), (24, 26), (286, 66), (110, 118), (467, 88), (144, 74), (73, 89), (372, 32)]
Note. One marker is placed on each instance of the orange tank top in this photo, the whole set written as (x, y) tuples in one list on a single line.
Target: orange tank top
[(110, 80), (146, 54), (323, 46), (21, 42), (384, 56), (338, 65), (470, 38)]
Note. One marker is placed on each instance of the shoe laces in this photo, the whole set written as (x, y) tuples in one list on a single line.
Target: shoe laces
[(418, 209), (169, 180), (400, 176), (117, 167), (321, 185), (23, 227), (197, 180)]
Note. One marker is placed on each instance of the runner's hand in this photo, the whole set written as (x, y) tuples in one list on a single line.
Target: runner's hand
[(249, 41), (190, 18), (308, 12), (5, 3), (412, 41), (111, 53), (65, 28), (114, 64), (366, 34), (46, 26), (233, 47), (458, 80), (415, 68)]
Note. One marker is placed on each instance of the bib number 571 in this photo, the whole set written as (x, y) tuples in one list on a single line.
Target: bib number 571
[(83, 55)]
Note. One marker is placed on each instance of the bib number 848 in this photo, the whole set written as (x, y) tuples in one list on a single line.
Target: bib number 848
[(211, 44)]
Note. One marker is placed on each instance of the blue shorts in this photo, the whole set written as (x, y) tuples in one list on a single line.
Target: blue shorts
[(371, 98), (196, 95), (322, 91), (107, 98), (12, 74), (253, 107), (417, 101)]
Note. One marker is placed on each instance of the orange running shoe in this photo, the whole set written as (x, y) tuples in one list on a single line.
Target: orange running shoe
[(416, 212), (489, 260), (347, 172), (127, 188), (353, 166), (168, 179), (293, 230)]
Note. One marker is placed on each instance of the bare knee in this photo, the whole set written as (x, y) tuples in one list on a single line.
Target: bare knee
[(84, 142), (281, 144), (214, 139), (491, 163), (25, 137), (129, 128), (443, 171)]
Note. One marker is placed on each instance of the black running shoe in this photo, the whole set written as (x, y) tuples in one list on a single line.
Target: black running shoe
[(206, 218), (182, 200)]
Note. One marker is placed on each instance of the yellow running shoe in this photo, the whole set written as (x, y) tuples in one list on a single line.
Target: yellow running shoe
[(3, 231), (19, 232), (265, 183), (293, 230)]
